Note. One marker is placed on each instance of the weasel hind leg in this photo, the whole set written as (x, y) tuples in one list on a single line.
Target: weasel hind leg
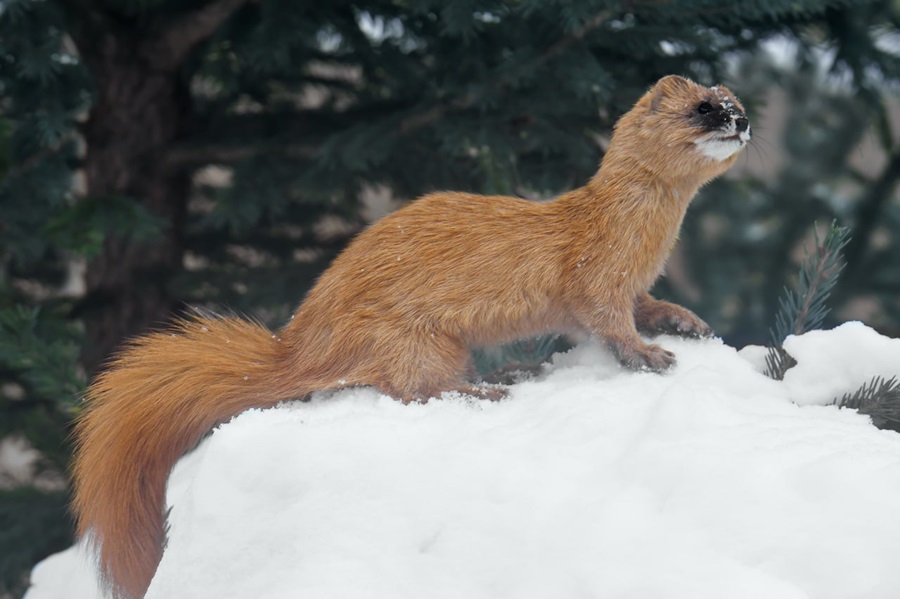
[(441, 364), (422, 366)]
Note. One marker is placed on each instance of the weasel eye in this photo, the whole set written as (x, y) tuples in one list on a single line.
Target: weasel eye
[(704, 108)]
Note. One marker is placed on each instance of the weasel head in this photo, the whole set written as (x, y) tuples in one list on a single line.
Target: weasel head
[(685, 128), (723, 124)]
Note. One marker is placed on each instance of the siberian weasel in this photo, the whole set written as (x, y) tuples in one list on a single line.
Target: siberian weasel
[(401, 306)]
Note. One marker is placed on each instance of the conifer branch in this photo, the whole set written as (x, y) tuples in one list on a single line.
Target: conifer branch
[(44, 153), (879, 399), (167, 49), (778, 362), (223, 140), (468, 100), (192, 155), (804, 309)]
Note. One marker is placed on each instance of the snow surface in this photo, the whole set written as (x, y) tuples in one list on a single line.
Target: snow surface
[(589, 481)]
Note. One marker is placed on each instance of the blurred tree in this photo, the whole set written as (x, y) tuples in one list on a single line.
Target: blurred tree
[(157, 153)]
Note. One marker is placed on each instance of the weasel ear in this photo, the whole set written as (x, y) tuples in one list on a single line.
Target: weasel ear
[(667, 87)]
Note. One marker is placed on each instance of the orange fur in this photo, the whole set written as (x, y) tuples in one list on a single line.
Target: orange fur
[(399, 310)]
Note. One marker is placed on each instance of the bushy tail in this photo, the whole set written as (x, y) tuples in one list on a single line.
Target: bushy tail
[(159, 397)]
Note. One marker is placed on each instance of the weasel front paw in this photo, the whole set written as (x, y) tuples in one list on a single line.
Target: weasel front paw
[(688, 324), (672, 320), (646, 357)]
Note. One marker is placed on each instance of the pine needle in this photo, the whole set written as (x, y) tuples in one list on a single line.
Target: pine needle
[(805, 308), (879, 399)]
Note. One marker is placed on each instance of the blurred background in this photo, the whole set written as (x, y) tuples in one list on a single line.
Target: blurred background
[(161, 154)]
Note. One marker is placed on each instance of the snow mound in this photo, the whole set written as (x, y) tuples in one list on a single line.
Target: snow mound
[(589, 481)]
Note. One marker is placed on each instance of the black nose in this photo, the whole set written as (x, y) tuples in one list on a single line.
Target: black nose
[(742, 123)]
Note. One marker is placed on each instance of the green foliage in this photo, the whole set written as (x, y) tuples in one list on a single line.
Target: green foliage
[(804, 308), (879, 399), (82, 227), (33, 525), (39, 386), (38, 364), (38, 348), (44, 90)]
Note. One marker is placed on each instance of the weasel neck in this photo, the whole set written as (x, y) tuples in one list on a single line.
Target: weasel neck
[(634, 176)]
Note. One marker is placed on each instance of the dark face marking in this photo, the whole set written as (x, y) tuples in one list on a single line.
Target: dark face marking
[(714, 114), (724, 126)]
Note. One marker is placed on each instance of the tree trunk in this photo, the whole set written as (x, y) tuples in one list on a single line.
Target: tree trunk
[(138, 111)]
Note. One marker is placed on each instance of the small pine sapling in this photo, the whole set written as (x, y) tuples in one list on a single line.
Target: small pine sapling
[(804, 308)]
